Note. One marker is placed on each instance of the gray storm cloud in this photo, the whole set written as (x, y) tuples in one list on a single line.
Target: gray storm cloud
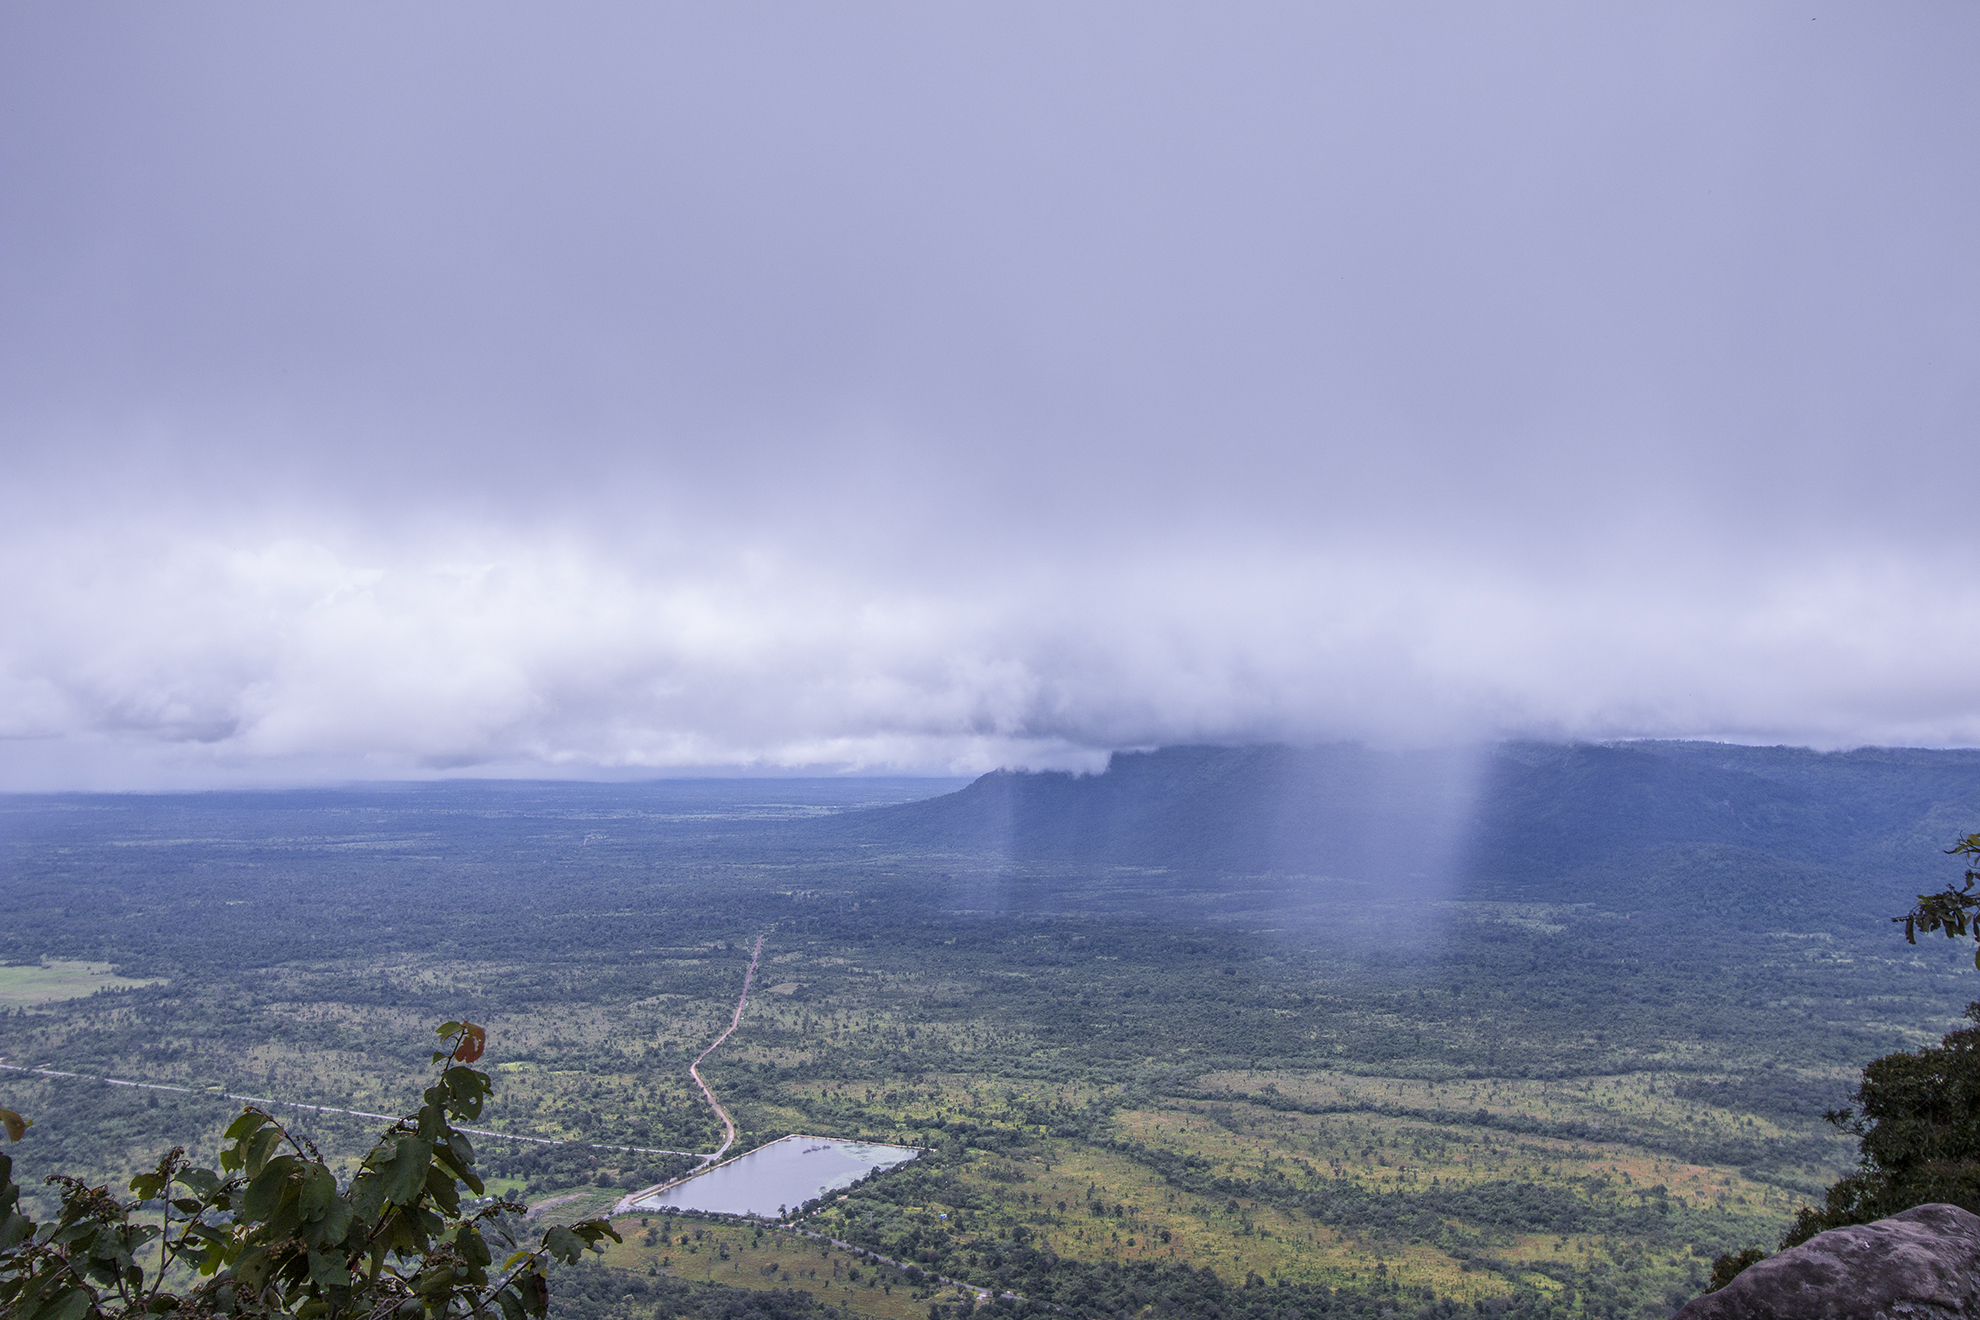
[(494, 390)]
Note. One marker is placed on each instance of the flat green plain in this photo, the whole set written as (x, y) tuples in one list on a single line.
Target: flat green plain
[(58, 979)]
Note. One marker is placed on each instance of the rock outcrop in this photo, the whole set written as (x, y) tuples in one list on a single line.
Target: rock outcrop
[(1923, 1264)]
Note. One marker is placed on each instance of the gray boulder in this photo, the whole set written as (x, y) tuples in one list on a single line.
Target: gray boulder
[(1923, 1264)]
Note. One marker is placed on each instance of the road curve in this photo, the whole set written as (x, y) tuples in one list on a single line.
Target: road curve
[(694, 1069), (625, 1203)]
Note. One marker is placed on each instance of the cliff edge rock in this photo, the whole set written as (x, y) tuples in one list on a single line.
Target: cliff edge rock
[(1923, 1264)]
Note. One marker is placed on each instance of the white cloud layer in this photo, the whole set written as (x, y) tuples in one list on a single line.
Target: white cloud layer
[(180, 658)]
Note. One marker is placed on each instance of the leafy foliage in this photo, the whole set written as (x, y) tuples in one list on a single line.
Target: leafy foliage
[(271, 1233), (1918, 1116), (1731, 1265), (1955, 911)]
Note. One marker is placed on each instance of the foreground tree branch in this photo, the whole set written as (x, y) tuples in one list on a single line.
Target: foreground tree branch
[(1953, 910), (271, 1233)]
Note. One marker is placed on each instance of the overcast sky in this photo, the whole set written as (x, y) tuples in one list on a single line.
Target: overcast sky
[(498, 388)]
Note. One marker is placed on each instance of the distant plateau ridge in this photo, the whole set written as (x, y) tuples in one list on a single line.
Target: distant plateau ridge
[(1519, 820)]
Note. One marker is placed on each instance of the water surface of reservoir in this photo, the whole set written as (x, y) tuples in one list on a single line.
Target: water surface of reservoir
[(781, 1175)]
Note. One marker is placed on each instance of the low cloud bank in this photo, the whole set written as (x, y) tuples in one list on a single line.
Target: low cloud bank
[(180, 659)]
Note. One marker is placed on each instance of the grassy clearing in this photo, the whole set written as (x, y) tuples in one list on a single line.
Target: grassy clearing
[(1641, 1101), (56, 979), (1385, 1153), (764, 1259)]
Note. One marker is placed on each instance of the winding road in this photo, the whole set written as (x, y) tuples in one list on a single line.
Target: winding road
[(625, 1204), (694, 1069)]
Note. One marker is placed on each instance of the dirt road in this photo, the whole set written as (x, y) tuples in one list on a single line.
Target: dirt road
[(694, 1069), (625, 1204)]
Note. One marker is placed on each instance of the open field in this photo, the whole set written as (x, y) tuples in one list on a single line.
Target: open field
[(766, 1259), (57, 979)]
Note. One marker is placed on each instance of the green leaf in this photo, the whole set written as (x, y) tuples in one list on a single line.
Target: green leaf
[(458, 1159), (249, 1120), (330, 1230), (367, 1195), (327, 1271), (594, 1231), (510, 1303), (201, 1182), (535, 1292), (473, 1248), (466, 1089), (78, 1235), (404, 1176), (69, 1304), (268, 1191), (15, 1125), (319, 1191), (563, 1244), (440, 1186), (258, 1149), (252, 1269)]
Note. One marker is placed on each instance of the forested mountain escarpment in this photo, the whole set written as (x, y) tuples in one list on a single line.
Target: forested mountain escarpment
[(1521, 820)]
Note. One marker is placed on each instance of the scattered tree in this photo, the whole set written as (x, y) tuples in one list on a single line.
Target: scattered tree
[(1916, 1116), (1918, 1120), (1731, 1265)]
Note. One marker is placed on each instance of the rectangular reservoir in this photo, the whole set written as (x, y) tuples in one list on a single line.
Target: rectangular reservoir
[(779, 1176)]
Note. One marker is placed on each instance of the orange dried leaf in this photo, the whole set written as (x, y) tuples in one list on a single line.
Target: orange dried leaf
[(473, 1041)]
